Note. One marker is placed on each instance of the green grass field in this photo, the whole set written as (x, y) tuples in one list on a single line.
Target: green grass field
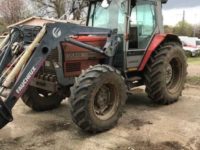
[(194, 60), (193, 80)]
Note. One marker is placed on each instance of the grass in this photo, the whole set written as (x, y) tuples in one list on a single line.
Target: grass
[(195, 80), (194, 60)]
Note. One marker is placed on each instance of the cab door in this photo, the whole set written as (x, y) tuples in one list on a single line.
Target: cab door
[(142, 27)]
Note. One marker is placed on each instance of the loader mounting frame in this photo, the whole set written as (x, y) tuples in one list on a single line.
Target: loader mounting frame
[(49, 37)]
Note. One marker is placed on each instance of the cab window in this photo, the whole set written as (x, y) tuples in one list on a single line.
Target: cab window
[(142, 25), (113, 17)]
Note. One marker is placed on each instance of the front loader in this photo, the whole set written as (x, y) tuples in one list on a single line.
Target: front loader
[(122, 46)]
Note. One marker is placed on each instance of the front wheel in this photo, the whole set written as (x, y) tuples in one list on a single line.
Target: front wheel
[(97, 98), (41, 100), (165, 74)]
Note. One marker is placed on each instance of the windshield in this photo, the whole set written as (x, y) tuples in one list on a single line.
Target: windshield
[(112, 17)]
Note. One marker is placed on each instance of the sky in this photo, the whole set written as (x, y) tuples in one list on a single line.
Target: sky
[(173, 11)]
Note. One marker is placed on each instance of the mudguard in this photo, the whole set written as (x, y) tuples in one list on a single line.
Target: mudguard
[(158, 40)]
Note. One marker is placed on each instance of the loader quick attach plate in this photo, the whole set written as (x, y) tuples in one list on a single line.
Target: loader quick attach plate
[(5, 115)]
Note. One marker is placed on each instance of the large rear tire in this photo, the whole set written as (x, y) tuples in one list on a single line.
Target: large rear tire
[(165, 74), (97, 99), (41, 100)]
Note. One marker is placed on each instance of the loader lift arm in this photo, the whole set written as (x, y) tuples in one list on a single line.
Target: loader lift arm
[(34, 56)]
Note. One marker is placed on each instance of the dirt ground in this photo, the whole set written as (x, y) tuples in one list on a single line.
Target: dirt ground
[(143, 126), (193, 70)]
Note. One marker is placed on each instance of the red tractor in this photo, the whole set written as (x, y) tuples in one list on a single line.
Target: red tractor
[(122, 46)]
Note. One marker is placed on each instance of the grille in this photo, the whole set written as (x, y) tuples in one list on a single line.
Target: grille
[(73, 67), (48, 67)]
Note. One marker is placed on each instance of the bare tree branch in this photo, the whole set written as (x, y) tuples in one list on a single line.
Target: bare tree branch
[(56, 6), (12, 11)]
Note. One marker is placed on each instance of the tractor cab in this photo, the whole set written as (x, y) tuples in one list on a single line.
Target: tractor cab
[(137, 22)]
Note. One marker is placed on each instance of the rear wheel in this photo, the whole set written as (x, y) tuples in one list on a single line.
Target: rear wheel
[(165, 74), (97, 98), (41, 100)]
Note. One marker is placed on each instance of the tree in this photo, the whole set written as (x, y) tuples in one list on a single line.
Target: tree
[(168, 29), (183, 28), (12, 11), (196, 30), (51, 8), (58, 8), (78, 7)]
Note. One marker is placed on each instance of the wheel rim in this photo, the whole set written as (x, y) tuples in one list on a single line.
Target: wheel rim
[(106, 102), (169, 73), (173, 75)]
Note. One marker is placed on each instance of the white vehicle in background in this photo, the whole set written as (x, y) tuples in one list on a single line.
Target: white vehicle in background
[(191, 45)]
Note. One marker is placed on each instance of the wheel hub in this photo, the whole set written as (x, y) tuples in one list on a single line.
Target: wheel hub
[(173, 75), (103, 98), (169, 74), (105, 102)]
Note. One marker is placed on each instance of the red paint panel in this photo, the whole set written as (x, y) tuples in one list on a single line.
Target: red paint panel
[(74, 68), (78, 58), (92, 40), (157, 40)]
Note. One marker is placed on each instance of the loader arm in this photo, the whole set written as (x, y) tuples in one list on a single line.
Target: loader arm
[(50, 36)]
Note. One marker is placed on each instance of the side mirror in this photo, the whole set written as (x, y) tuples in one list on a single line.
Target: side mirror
[(105, 4)]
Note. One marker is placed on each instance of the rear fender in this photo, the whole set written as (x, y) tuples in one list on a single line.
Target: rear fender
[(158, 40)]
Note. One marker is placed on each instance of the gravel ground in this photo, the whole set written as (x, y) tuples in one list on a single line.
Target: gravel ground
[(143, 126)]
